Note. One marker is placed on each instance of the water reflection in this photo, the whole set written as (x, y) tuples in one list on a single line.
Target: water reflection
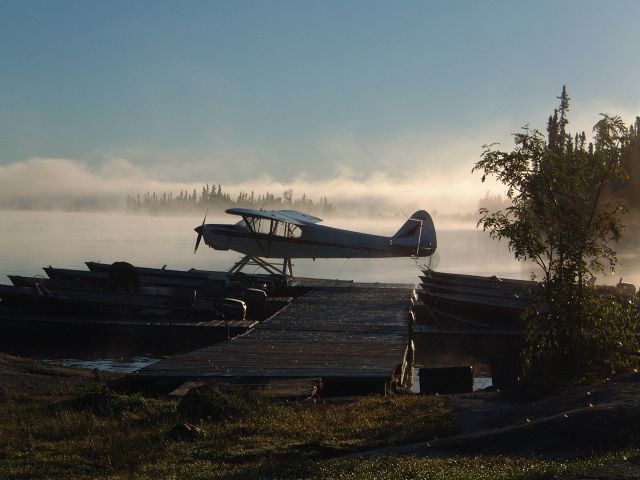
[(479, 382), (116, 365)]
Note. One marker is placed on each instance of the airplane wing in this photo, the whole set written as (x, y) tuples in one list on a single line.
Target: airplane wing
[(305, 217), (287, 216)]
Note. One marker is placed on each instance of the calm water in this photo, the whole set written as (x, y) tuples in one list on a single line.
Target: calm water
[(31, 240), (479, 382)]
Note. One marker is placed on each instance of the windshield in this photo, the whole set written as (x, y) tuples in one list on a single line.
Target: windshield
[(267, 226)]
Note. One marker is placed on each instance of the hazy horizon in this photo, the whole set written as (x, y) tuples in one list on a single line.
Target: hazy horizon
[(382, 108), (50, 184), (378, 106)]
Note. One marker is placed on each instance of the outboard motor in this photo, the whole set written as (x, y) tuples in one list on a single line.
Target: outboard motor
[(266, 286), (234, 309), (256, 300), (124, 276)]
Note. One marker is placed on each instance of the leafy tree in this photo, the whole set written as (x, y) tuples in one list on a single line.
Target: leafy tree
[(561, 219)]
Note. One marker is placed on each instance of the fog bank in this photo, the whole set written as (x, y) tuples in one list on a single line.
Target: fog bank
[(64, 184)]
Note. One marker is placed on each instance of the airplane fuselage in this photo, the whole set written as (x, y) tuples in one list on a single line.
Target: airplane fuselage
[(313, 241)]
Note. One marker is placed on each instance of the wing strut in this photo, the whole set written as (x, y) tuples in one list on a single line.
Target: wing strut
[(250, 261), (252, 230)]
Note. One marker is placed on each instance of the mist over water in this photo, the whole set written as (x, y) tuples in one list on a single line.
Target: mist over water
[(30, 240), (62, 184)]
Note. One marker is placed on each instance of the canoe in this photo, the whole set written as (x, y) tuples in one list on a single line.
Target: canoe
[(430, 286), (73, 301), (478, 308)]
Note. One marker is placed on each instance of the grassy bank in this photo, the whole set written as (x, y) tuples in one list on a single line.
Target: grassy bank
[(89, 431), (40, 438)]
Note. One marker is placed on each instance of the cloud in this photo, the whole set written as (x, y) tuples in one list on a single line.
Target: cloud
[(407, 155), (46, 183), (456, 191), (389, 175)]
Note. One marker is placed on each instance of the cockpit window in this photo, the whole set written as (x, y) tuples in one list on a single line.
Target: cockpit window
[(267, 226), (293, 231), (279, 229)]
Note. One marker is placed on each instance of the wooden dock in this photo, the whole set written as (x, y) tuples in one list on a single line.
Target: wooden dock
[(354, 336)]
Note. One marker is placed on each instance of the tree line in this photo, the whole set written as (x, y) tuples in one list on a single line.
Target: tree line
[(628, 188), (625, 188), (213, 198)]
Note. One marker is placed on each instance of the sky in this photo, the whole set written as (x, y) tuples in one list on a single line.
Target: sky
[(384, 102)]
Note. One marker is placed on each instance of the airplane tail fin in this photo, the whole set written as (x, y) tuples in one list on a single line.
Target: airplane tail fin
[(418, 232)]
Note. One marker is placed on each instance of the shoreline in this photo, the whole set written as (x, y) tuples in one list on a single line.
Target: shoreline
[(595, 424)]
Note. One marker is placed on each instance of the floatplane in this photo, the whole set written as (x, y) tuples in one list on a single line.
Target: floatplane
[(289, 234)]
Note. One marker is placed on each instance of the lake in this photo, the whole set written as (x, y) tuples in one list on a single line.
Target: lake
[(31, 240)]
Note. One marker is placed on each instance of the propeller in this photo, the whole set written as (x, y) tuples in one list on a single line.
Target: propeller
[(199, 230)]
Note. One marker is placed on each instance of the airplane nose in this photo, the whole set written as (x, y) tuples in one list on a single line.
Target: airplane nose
[(199, 231)]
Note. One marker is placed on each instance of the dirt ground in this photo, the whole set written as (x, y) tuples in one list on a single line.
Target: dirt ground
[(27, 377), (578, 423), (615, 471), (594, 418)]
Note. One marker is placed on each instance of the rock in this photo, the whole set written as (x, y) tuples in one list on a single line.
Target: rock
[(106, 403), (186, 432), (206, 402), (98, 403)]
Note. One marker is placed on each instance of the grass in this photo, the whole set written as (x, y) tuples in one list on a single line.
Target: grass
[(459, 468), (129, 438)]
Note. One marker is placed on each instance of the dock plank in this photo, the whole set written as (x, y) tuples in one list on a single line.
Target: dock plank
[(357, 332)]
